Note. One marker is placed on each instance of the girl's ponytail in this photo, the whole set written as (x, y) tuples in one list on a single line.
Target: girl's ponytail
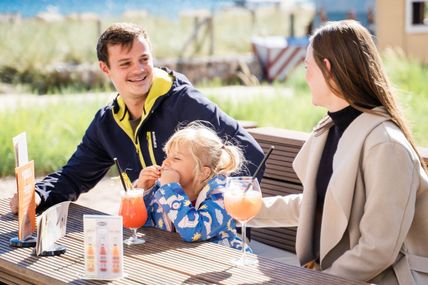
[(231, 159)]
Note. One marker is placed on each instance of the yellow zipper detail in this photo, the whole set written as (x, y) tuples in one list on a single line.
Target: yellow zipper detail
[(150, 147), (140, 155), (162, 82)]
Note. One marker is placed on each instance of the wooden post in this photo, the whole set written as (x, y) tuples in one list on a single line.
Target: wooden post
[(292, 18), (211, 31), (201, 20), (98, 25), (253, 17)]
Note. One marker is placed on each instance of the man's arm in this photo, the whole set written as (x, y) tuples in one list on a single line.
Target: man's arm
[(86, 167)]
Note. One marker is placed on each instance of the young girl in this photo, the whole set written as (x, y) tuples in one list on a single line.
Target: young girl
[(186, 193)]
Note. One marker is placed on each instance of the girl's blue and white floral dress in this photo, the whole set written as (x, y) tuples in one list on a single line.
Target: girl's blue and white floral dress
[(170, 209)]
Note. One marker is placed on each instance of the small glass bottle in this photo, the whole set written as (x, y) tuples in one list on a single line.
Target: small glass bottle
[(116, 268), (103, 256), (90, 256)]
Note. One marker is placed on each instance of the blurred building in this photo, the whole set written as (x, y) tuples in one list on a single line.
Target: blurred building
[(334, 10), (403, 24), (395, 24)]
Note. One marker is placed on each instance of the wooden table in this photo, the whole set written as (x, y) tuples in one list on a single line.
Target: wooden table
[(163, 259)]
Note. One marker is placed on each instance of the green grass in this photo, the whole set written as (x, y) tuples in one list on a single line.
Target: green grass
[(294, 111), (410, 77), (53, 131)]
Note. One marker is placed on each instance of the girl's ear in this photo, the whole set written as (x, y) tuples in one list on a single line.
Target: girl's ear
[(205, 173)]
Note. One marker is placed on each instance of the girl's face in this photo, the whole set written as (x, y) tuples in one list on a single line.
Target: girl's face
[(179, 158)]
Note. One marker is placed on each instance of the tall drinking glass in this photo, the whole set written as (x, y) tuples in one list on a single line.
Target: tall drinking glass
[(243, 200), (134, 213)]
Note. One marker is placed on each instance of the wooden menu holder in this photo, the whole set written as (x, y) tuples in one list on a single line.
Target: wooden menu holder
[(27, 206)]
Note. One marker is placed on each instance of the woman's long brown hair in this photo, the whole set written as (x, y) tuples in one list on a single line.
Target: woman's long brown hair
[(356, 74)]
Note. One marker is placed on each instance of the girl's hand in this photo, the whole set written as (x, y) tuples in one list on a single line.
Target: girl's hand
[(148, 177), (169, 175)]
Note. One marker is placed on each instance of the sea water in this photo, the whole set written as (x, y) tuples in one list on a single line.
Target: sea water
[(169, 8)]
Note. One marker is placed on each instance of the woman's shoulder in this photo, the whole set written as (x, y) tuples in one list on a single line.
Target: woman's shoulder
[(388, 134)]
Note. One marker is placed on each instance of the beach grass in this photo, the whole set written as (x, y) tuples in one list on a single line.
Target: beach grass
[(37, 44), (33, 50)]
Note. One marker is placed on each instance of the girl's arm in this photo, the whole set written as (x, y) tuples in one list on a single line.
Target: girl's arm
[(149, 196)]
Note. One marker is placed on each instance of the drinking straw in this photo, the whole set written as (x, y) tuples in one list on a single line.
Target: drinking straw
[(120, 173), (263, 161), (260, 166)]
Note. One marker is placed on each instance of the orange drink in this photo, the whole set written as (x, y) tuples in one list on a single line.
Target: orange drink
[(242, 206), (134, 213), (133, 210), (243, 200)]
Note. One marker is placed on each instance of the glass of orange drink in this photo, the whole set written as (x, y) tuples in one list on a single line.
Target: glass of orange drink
[(243, 200), (134, 213)]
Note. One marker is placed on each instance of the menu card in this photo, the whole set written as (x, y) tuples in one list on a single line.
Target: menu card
[(27, 206), (24, 174), (21, 149), (103, 247), (51, 226)]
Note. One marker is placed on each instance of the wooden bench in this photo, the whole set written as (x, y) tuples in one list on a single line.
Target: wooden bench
[(280, 179)]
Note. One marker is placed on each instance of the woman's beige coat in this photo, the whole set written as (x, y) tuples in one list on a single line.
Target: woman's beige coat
[(375, 217)]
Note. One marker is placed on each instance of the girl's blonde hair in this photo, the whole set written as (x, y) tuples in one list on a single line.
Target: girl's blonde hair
[(207, 149)]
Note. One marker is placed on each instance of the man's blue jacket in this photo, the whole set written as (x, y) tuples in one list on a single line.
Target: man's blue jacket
[(171, 102)]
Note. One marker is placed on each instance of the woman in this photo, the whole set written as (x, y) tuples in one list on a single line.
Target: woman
[(363, 213)]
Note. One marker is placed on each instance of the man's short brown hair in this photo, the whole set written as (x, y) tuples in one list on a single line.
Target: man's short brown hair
[(119, 33)]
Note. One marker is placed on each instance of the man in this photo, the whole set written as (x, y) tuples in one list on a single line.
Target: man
[(151, 104)]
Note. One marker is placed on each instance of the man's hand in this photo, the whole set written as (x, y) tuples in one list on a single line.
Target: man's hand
[(14, 202), (148, 177)]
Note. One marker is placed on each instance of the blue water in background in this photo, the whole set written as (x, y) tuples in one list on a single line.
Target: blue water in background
[(169, 8)]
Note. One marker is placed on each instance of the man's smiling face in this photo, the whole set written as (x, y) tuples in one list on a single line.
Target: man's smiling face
[(130, 68)]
